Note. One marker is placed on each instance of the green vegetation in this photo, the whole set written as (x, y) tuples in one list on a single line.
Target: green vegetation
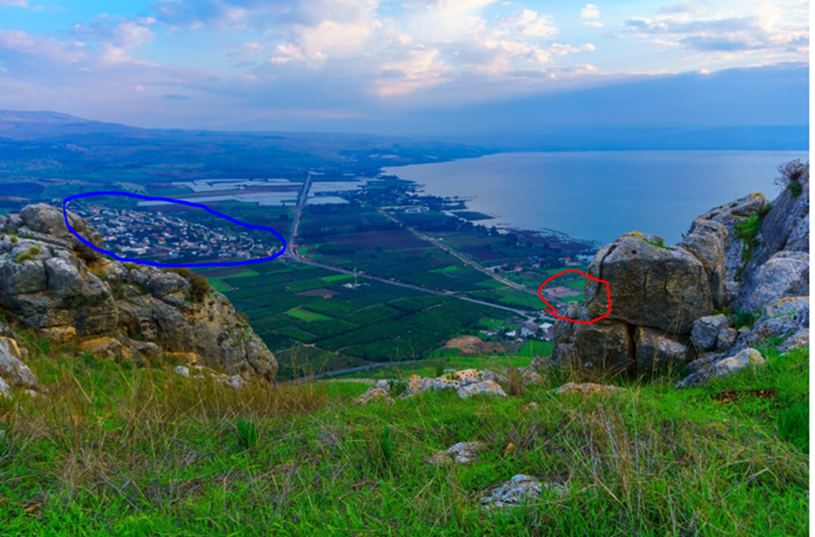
[(28, 256), (199, 285), (308, 315), (792, 174), (120, 450)]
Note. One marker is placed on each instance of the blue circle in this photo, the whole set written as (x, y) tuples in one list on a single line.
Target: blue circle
[(180, 202)]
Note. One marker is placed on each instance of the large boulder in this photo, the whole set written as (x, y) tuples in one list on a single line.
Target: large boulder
[(651, 285), (730, 216), (723, 368), (603, 348), (48, 220), (707, 241), (785, 274)]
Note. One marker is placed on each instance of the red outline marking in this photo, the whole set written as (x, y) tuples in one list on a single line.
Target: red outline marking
[(555, 312)]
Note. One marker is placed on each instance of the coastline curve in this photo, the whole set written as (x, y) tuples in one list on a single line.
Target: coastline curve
[(180, 202)]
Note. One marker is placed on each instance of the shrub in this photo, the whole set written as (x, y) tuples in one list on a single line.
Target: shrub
[(792, 174), (199, 285)]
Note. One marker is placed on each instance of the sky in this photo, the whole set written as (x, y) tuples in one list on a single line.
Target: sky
[(353, 64)]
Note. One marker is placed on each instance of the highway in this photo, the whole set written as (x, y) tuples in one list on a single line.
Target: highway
[(291, 253)]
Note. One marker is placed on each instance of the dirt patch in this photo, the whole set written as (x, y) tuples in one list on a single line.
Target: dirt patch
[(325, 293), (730, 396), (473, 345)]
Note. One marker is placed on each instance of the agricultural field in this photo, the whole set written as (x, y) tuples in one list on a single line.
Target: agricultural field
[(347, 326)]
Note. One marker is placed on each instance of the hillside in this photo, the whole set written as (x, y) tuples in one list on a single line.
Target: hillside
[(137, 402)]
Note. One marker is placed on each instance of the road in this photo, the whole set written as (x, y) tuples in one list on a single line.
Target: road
[(291, 253), (467, 261), (350, 370)]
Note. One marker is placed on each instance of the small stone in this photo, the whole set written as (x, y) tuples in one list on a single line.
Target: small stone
[(705, 331), (461, 453), (181, 370), (587, 388), (373, 394), (723, 368), (382, 384), (531, 406), (726, 339), (488, 387), (521, 488)]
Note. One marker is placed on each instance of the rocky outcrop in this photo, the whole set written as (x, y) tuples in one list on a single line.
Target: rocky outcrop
[(60, 287), (13, 372), (723, 368), (664, 298)]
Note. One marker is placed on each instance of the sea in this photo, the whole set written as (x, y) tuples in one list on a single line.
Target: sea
[(599, 195)]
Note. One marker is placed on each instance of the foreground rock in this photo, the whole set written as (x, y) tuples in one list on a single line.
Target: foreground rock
[(461, 453), (723, 368), (466, 383), (373, 394), (13, 372), (587, 388), (69, 293), (517, 491)]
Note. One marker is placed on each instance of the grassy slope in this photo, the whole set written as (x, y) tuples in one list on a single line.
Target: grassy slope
[(117, 450)]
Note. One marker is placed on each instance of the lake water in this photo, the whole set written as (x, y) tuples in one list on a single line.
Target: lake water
[(599, 195)]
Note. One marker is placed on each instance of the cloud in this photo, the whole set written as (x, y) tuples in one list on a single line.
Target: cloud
[(590, 12), (764, 30), (175, 97), (687, 6), (14, 3)]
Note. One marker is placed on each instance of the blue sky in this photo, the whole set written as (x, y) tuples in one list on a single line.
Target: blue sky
[(213, 63)]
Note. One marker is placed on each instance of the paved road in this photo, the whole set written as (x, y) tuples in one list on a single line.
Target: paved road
[(350, 370), (291, 253)]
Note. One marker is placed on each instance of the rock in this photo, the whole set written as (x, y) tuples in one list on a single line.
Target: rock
[(796, 340), (181, 370), (726, 339), (780, 318), (530, 377), (48, 220), (473, 376), (587, 388), (531, 406), (373, 394), (730, 216), (417, 384), (234, 381), (105, 347), (785, 227), (603, 347), (57, 293), (705, 333), (706, 241), (655, 349), (723, 368), (785, 274), (14, 373), (518, 490), (487, 387), (461, 453), (658, 287), (5, 389), (382, 384)]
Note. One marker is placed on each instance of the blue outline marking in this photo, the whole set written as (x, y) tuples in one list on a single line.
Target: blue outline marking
[(180, 202)]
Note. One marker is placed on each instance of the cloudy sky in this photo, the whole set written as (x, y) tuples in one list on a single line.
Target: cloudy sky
[(213, 63)]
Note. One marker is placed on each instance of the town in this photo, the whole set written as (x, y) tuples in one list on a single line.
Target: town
[(153, 235)]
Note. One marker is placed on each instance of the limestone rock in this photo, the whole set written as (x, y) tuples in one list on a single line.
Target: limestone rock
[(786, 226), (783, 317), (461, 453), (655, 349), (383, 384), (723, 368), (106, 347), (487, 387), (785, 274), (14, 373), (48, 220), (707, 242), (726, 339), (658, 287), (587, 388), (705, 333), (730, 216), (181, 370), (796, 340), (603, 348), (373, 394), (518, 490)]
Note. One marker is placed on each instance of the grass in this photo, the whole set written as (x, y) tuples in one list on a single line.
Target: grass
[(118, 450), (308, 315)]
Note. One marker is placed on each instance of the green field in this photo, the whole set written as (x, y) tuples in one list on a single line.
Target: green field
[(308, 315)]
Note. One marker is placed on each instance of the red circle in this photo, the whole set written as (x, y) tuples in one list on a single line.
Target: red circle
[(552, 311)]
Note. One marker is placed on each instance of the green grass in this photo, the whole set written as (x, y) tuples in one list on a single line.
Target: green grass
[(308, 315), (117, 450), (338, 278)]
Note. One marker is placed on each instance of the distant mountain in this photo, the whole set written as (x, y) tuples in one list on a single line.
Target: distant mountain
[(30, 125)]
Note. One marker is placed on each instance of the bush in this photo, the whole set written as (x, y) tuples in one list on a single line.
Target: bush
[(199, 285), (247, 433), (792, 174)]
